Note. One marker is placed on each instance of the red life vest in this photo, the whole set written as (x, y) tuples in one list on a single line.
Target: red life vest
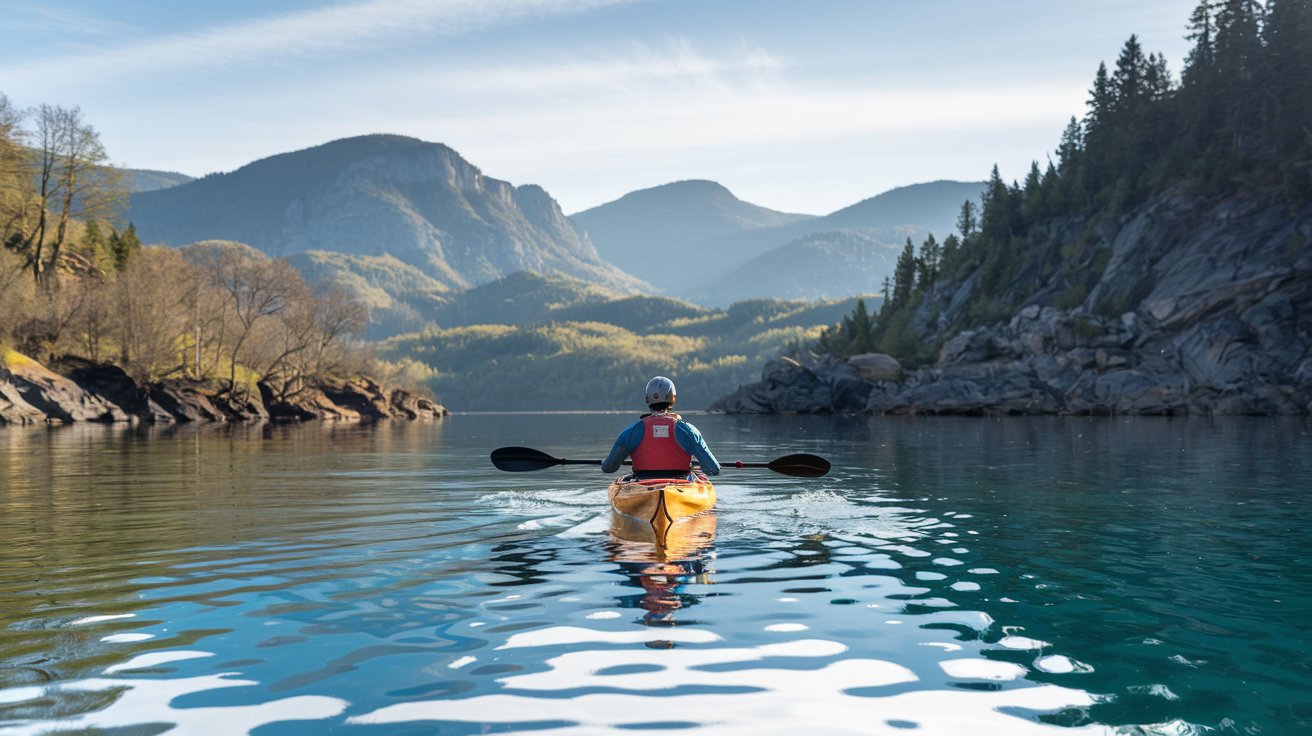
[(658, 449)]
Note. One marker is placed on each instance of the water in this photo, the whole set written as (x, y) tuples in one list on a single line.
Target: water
[(950, 576)]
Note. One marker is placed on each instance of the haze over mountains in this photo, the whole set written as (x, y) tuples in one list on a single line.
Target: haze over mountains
[(405, 224), (714, 248)]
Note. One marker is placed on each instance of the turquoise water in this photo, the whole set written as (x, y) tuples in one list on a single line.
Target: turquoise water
[(950, 576)]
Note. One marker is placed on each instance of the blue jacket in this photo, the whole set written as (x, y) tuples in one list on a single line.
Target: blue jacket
[(684, 433)]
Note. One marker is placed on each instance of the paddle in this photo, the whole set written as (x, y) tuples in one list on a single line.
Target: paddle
[(524, 459)]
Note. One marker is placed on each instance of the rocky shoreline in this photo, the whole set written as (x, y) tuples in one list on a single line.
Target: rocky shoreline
[(1202, 307), (1045, 361), (80, 391)]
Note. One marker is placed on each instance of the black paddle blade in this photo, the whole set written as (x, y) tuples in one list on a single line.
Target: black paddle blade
[(800, 465), (522, 459)]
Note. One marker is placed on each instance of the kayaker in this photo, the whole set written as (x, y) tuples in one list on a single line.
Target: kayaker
[(661, 443)]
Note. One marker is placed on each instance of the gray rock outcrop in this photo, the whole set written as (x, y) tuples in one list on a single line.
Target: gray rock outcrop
[(1201, 309), (80, 391)]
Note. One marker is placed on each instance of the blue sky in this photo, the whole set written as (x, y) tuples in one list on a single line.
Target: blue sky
[(799, 106)]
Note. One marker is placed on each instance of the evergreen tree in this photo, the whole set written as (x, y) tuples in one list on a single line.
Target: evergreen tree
[(927, 262), (94, 243), (862, 330), (967, 220), (904, 276), (995, 222), (1102, 100), (124, 246), (950, 246), (1288, 37), (1129, 81)]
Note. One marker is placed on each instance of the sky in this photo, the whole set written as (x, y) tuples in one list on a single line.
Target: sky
[(797, 106)]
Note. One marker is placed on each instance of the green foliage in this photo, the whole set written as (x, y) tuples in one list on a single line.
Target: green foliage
[(1239, 116), (601, 365), (124, 246)]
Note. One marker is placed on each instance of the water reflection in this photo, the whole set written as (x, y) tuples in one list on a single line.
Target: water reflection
[(664, 565), (948, 577)]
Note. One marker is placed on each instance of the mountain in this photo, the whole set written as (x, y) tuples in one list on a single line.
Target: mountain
[(932, 206), (636, 228), (701, 235), (380, 195), (148, 180), (824, 265)]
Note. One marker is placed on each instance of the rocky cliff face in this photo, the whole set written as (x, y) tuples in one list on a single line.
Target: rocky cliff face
[(1202, 308), (380, 195), (78, 391)]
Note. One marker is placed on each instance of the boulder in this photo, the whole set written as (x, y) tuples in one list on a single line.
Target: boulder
[(14, 409), (362, 395), (185, 401), (304, 405), (876, 367), (56, 396), (111, 383), (412, 406)]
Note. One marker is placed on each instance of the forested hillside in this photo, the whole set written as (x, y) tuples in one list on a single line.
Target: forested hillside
[(502, 343), (1237, 123), (1161, 264)]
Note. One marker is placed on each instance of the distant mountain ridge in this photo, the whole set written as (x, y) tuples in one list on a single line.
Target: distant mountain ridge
[(380, 195), (633, 231), (693, 239), (148, 180)]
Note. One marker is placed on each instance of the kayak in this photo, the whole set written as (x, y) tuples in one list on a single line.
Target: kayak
[(661, 502), (635, 540)]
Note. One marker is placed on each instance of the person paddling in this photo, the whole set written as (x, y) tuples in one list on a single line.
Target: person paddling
[(661, 443)]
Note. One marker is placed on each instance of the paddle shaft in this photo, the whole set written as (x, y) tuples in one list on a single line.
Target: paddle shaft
[(520, 459)]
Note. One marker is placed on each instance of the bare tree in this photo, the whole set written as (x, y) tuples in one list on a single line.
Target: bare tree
[(312, 339), (15, 294), (71, 179), (15, 180), (150, 297), (255, 289)]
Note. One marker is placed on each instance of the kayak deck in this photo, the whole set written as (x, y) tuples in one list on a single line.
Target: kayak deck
[(661, 502)]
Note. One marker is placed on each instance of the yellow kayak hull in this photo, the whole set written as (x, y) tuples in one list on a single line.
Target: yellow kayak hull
[(661, 502)]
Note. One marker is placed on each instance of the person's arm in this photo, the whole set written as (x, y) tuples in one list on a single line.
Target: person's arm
[(625, 444), (692, 443)]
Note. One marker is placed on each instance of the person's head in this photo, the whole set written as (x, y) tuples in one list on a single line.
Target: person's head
[(660, 393)]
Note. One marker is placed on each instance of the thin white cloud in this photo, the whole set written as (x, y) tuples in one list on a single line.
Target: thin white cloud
[(65, 22), (633, 70), (335, 29), (633, 99)]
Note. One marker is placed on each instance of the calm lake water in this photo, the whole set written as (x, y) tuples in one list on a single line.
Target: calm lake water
[(949, 577)]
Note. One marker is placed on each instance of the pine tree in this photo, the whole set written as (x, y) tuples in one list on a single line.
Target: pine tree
[(1102, 101), (94, 243), (862, 330), (124, 246), (950, 246), (927, 262), (995, 222), (968, 221), (904, 276), (1129, 81), (1288, 66)]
